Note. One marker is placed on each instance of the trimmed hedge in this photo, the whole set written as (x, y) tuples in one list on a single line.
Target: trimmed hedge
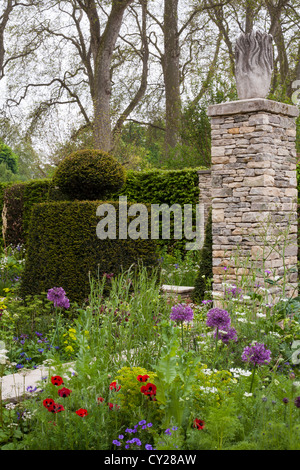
[(89, 175), (19, 199), (63, 249), (151, 187), (161, 186), (205, 263)]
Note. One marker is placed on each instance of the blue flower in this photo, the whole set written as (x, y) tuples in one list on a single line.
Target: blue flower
[(148, 447)]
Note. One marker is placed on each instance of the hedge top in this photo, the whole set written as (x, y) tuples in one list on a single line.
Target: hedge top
[(89, 175)]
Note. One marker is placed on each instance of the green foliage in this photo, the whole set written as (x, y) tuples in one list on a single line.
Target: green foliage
[(14, 204), (89, 175), (7, 156), (194, 149), (205, 264), (64, 250), (175, 372), (19, 199), (133, 403), (161, 186), (155, 186)]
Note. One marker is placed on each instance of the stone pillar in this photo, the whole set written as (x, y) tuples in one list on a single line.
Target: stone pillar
[(253, 179)]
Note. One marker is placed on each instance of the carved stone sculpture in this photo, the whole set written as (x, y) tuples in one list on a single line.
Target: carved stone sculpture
[(253, 64)]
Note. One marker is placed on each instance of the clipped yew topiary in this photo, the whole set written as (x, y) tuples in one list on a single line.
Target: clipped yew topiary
[(63, 249), (89, 175), (205, 263)]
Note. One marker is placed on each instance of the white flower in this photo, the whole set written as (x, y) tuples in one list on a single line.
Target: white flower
[(3, 357), (247, 394), (240, 313), (237, 372), (274, 333), (242, 320), (261, 315), (10, 406)]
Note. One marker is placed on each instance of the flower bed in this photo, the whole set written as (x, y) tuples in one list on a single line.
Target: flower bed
[(156, 373)]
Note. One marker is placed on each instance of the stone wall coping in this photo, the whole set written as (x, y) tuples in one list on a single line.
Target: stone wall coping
[(203, 172), (251, 106), (177, 289)]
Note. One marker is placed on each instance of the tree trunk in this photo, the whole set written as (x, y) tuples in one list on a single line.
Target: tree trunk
[(170, 62), (103, 52)]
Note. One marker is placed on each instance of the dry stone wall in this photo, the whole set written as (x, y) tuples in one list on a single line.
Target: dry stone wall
[(253, 189)]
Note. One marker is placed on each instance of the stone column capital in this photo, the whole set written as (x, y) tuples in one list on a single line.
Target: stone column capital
[(253, 105)]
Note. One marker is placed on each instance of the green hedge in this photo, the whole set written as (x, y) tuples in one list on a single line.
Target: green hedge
[(152, 187), (162, 186), (63, 249), (205, 272), (19, 199)]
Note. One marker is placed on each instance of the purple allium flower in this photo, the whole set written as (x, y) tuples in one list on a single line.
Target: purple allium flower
[(57, 295), (297, 402), (227, 334), (257, 354), (181, 313), (218, 318)]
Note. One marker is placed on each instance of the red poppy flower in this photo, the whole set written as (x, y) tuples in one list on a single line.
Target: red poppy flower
[(56, 408), (57, 380), (143, 378), (64, 392), (149, 389), (100, 400), (48, 402), (81, 412), (198, 423), (112, 405), (113, 386)]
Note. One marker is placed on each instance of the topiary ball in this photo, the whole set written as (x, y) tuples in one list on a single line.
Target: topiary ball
[(89, 175)]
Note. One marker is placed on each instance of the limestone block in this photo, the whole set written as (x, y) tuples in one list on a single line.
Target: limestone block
[(262, 181)]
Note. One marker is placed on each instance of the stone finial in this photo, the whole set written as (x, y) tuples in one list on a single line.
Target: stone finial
[(253, 64)]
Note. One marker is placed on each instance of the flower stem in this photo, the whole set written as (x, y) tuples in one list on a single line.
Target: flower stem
[(252, 381)]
